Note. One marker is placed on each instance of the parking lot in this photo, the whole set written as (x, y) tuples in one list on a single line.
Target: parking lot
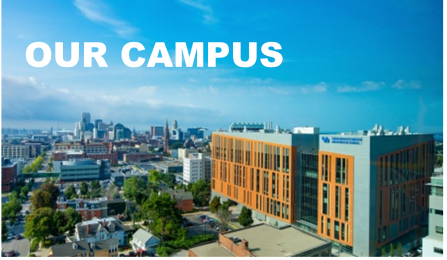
[(198, 227), (21, 247)]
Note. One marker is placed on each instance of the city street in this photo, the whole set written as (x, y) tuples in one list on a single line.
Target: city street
[(20, 247)]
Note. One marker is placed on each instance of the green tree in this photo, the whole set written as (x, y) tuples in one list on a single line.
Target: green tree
[(95, 189), (154, 177), (392, 250), (399, 249), (224, 215), (59, 223), (245, 218), (11, 208), (214, 204), (163, 216), (41, 199), (383, 252), (70, 192), (201, 192), (39, 224), (135, 190), (84, 188), (53, 190), (24, 192), (4, 231), (72, 217), (168, 179), (176, 145)]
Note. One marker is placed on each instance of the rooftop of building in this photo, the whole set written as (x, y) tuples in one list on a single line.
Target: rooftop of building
[(83, 247), (282, 242), (379, 130), (79, 152), (168, 163), (265, 241), (143, 236), (212, 249), (9, 163), (89, 228), (180, 194), (143, 153), (62, 199)]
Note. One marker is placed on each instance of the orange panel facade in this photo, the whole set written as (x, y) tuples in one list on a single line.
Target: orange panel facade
[(402, 195), (257, 174), (335, 197)]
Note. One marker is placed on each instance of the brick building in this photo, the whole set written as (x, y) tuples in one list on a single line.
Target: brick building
[(88, 209), (9, 174)]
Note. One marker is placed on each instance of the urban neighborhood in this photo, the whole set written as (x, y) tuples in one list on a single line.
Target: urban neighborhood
[(102, 189)]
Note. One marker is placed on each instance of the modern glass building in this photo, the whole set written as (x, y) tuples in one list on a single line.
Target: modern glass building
[(274, 173), (372, 187)]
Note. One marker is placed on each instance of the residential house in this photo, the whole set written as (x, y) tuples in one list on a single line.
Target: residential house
[(144, 241)]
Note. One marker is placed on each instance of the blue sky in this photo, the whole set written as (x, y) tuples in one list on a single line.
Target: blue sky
[(347, 64)]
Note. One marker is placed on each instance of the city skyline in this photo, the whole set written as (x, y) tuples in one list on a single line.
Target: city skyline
[(346, 67)]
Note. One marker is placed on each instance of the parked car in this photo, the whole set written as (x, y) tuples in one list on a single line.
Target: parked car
[(131, 253), (419, 250), (203, 216), (122, 255), (18, 237), (10, 253)]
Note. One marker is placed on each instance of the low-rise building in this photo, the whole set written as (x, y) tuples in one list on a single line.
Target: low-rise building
[(9, 174), (64, 155), (264, 241), (96, 229), (142, 157), (80, 169), (170, 166), (185, 152), (107, 248), (183, 198), (144, 241), (89, 209)]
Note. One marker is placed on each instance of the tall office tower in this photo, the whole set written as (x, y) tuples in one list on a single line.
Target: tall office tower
[(433, 244), (166, 138), (372, 187), (85, 121), (95, 133), (263, 171), (197, 131), (156, 131), (174, 125), (77, 131), (98, 122)]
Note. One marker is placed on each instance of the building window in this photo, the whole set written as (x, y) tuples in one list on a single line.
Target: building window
[(338, 170), (328, 233), (336, 230), (439, 230), (438, 250), (346, 204), (325, 198), (337, 202)]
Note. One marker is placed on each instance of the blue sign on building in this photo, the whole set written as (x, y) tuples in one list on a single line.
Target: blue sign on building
[(342, 140)]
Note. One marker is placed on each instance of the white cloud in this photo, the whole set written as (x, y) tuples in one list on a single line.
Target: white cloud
[(208, 14), (27, 99), (148, 90), (402, 84), (98, 12), (364, 87)]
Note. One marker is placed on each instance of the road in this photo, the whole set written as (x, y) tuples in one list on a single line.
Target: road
[(21, 247)]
